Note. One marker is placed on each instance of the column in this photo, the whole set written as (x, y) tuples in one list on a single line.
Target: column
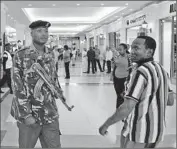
[(20, 31), (3, 26), (94, 36), (82, 43), (88, 42), (27, 38)]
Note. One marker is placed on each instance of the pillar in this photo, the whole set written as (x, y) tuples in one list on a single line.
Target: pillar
[(20, 31)]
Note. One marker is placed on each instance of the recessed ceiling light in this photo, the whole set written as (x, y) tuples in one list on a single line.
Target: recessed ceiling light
[(126, 4), (30, 5), (78, 4), (102, 4), (53, 4), (116, 16), (122, 13), (8, 15), (130, 9), (11, 17)]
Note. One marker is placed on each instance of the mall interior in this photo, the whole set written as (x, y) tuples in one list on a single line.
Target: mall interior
[(84, 24)]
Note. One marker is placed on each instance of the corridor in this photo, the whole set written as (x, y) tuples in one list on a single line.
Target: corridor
[(94, 99)]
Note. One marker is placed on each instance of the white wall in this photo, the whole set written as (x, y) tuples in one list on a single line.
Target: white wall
[(131, 35), (153, 14), (167, 46)]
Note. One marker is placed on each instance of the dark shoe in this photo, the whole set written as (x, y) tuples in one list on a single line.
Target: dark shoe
[(108, 72), (67, 77), (84, 72), (11, 92), (88, 72)]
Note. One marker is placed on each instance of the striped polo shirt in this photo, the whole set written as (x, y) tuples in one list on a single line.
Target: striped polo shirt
[(148, 86)]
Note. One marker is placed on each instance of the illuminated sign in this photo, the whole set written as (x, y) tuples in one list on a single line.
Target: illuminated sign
[(136, 20)]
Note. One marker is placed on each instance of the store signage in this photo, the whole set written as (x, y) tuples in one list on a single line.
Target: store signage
[(136, 20), (172, 7)]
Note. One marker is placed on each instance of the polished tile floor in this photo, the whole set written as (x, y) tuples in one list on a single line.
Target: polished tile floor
[(94, 97)]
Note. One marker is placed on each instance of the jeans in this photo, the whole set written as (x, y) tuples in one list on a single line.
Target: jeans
[(109, 66), (119, 88), (99, 65), (49, 135), (67, 69)]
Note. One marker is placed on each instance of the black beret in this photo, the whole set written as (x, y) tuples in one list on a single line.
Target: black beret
[(39, 23)]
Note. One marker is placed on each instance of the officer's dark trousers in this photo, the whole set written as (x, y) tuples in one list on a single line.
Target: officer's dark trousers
[(6, 78), (119, 88), (49, 135), (93, 66), (67, 69)]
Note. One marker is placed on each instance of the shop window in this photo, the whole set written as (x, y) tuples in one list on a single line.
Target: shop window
[(168, 45), (101, 39), (117, 39), (112, 39), (91, 42)]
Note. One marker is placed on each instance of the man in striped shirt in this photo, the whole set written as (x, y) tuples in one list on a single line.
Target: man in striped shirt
[(146, 97)]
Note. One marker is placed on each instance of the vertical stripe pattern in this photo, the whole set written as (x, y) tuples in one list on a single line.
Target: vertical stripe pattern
[(148, 86)]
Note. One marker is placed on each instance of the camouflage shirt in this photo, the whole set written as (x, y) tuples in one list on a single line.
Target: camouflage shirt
[(31, 95)]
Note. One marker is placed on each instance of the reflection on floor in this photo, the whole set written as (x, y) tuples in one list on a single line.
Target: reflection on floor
[(94, 99)]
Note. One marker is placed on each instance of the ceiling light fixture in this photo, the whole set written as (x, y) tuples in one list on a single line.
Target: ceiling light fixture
[(130, 9), (116, 16), (126, 4), (11, 17), (78, 4), (102, 4), (122, 13), (53, 4), (30, 5), (8, 15)]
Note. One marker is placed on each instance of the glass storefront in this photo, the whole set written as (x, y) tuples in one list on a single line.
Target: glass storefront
[(91, 43), (114, 39), (168, 44)]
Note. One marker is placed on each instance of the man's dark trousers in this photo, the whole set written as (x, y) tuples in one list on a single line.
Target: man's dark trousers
[(93, 66)]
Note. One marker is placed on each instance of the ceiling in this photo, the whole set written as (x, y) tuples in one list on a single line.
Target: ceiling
[(72, 17)]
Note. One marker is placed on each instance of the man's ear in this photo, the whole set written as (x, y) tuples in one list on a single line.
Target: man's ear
[(149, 52)]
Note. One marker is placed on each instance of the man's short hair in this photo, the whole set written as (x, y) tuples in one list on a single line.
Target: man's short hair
[(149, 42), (124, 45), (66, 47)]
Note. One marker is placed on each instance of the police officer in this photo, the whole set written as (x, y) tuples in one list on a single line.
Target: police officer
[(7, 65), (34, 106)]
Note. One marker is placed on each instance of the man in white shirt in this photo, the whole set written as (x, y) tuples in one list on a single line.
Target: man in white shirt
[(7, 65), (109, 56)]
